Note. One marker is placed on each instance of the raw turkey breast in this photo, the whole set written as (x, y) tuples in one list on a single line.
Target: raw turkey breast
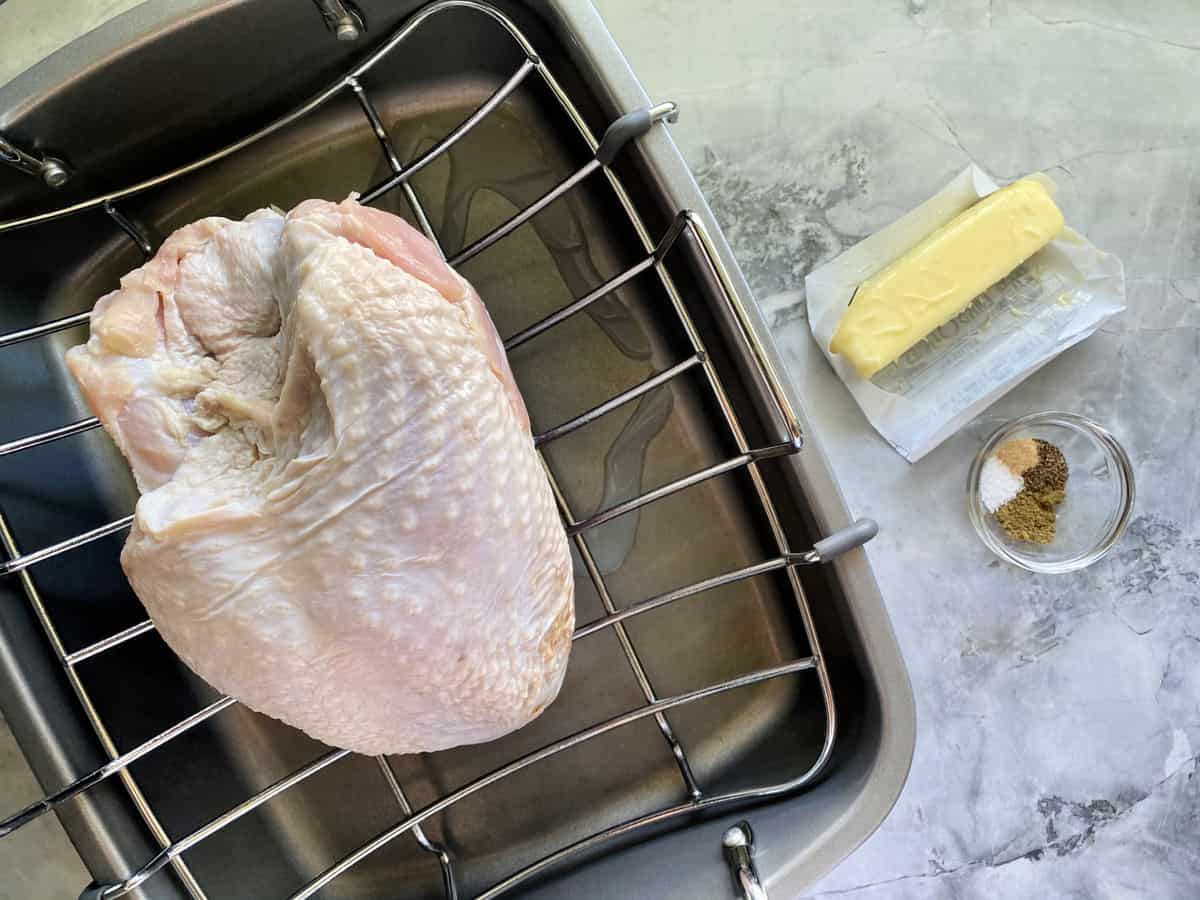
[(343, 521)]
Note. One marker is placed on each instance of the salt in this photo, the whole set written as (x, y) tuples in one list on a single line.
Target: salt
[(998, 484)]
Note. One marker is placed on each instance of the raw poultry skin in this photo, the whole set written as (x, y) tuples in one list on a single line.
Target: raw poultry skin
[(343, 520)]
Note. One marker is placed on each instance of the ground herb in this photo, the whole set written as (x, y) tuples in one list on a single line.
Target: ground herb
[(1025, 519), (1050, 498)]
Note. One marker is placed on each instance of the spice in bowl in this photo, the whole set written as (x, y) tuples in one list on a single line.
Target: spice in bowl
[(1017, 490), (1021, 484)]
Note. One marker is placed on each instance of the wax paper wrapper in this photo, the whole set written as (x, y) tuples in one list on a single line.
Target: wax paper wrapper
[(1054, 300)]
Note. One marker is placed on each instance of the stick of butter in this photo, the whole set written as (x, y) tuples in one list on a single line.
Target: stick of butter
[(937, 279)]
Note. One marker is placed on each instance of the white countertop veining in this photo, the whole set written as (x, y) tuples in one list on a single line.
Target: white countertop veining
[(1058, 717)]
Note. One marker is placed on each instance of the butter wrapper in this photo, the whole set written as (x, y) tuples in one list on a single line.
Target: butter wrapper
[(1053, 301)]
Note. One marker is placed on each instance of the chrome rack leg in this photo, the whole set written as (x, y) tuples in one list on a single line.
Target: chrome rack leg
[(738, 842)]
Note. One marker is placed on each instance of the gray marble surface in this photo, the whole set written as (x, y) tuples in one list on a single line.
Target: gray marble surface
[(1059, 719)]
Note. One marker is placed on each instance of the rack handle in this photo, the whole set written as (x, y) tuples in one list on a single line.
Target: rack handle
[(852, 536), (738, 842)]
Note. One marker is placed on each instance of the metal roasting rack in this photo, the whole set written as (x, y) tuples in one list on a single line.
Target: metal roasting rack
[(738, 841)]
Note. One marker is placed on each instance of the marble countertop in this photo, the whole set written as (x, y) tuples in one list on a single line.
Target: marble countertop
[(1058, 717)]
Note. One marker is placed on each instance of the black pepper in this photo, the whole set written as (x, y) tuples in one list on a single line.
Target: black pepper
[(1050, 473)]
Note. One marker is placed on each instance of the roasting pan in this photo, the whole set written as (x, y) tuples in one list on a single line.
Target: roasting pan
[(735, 703)]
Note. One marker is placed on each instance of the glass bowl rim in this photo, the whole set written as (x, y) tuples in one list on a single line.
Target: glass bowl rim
[(1100, 435)]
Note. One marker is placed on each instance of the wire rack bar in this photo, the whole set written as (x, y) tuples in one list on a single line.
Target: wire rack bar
[(21, 563), (177, 848), (46, 437), (769, 376), (132, 231), (631, 656), (108, 643), (37, 331), (638, 390), (115, 766), (389, 153), (157, 832), (457, 134), (665, 599), (31, 812), (613, 284), (503, 231), (373, 117), (546, 752), (687, 481), (566, 312), (445, 862)]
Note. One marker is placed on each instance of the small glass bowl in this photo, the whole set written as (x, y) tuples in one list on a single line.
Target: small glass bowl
[(1099, 499)]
